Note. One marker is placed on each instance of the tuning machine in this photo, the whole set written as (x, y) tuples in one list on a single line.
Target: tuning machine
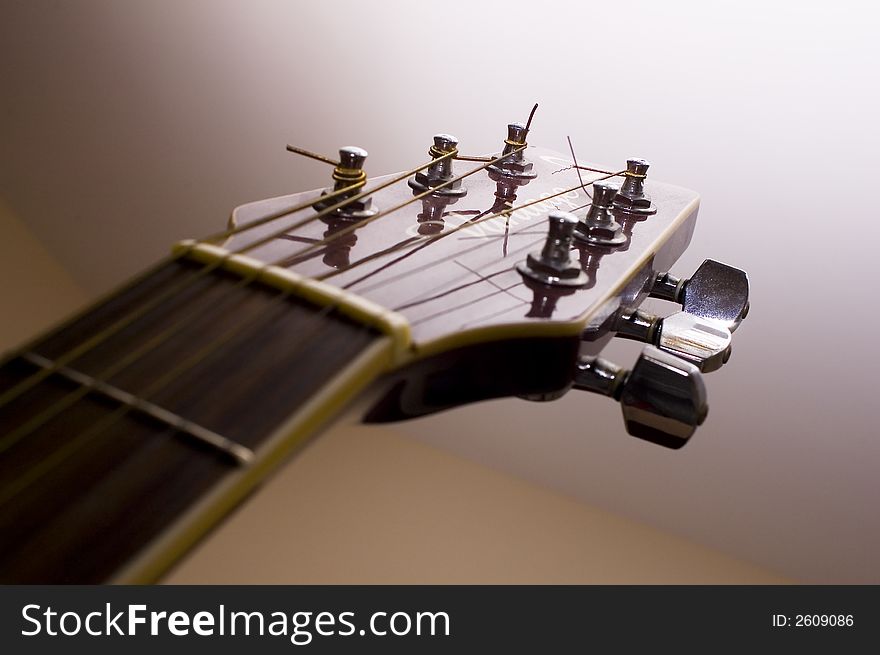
[(663, 398), (703, 343), (715, 292)]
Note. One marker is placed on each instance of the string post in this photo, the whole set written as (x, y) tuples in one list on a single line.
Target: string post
[(516, 135), (632, 197), (350, 169), (515, 166), (349, 174), (598, 227), (554, 265), (443, 150)]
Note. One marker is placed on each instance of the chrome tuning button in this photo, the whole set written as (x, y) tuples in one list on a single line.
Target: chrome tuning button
[(703, 343), (715, 292), (663, 398)]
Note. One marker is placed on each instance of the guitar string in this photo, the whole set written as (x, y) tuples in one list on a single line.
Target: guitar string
[(297, 255), (19, 484), (66, 402), (257, 222), (222, 236), (400, 245), (436, 237), (507, 212), (528, 230), (83, 439), (577, 168), (361, 224), (84, 347), (213, 347), (87, 345), (153, 342), (230, 334), (13, 437)]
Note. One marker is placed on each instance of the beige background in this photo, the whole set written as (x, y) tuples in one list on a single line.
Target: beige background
[(127, 125)]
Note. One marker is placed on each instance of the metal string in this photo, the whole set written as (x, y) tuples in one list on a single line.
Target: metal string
[(360, 224), (576, 168), (426, 240), (324, 212), (14, 436), (84, 438)]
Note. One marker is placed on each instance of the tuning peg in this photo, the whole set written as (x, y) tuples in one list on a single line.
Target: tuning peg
[(349, 172), (632, 197), (515, 166), (715, 292), (703, 343), (553, 264), (598, 226), (440, 172), (663, 398)]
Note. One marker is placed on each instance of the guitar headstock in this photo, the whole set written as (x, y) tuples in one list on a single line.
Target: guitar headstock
[(463, 279), (524, 262)]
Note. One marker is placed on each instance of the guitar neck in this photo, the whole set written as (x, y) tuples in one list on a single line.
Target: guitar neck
[(194, 385)]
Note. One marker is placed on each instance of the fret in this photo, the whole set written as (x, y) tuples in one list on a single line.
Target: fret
[(239, 453)]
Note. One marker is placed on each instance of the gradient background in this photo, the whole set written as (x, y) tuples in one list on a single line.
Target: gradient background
[(126, 126)]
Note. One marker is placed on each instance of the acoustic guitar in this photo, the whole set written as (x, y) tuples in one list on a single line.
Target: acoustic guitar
[(131, 429)]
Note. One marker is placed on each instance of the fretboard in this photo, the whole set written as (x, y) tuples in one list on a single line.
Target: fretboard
[(188, 387)]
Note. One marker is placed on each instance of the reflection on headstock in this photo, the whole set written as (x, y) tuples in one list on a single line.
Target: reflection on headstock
[(544, 298), (337, 252), (590, 257), (336, 249), (506, 187), (628, 222), (431, 217)]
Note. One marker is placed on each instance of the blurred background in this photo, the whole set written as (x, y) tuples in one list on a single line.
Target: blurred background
[(127, 126)]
